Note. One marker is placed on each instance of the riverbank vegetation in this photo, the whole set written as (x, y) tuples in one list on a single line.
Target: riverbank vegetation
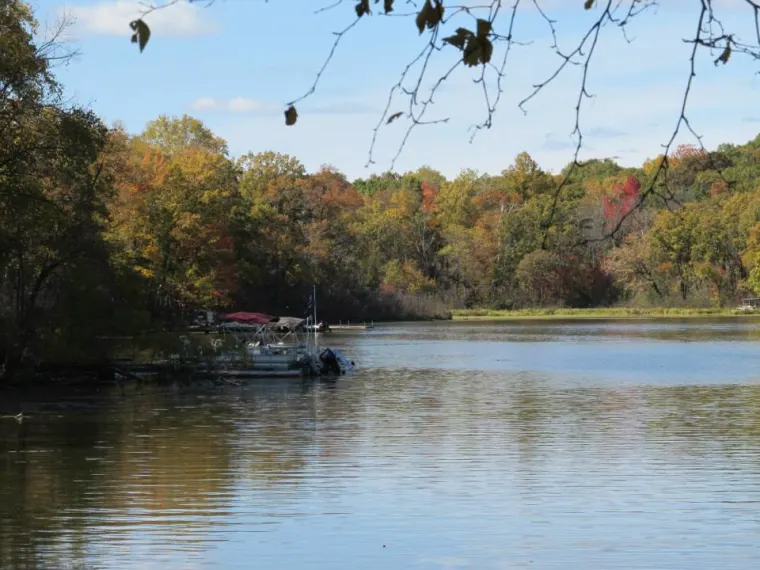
[(103, 231), (599, 313)]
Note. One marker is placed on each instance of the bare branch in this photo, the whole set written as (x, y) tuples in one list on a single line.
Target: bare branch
[(711, 34), (756, 13), (329, 7), (389, 102), (417, 120), (682, 120), (500, 73), (550, 22), (593, 35), (338, 37)]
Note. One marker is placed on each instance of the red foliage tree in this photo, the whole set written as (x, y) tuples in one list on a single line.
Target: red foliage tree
[(429, 193), (621, 199), (687, 151)]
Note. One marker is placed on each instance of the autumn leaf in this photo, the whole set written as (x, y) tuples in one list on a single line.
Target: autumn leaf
[(393, 117), (422, 17), (486, 51), (142, 33), (589, 4), (430, 15), (459, 39), (362, 8), (724, 56), (483, 28), (388, 6), (475, 48), (471, 54), (290, 116)]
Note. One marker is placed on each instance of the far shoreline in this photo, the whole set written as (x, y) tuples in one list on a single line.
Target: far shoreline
[(598, 314)]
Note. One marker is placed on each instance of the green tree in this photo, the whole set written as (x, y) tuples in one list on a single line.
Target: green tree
[(173, 134), (263, 168), (538, 275), (171, 223), (455, 199), (672, 241), (52, 194)]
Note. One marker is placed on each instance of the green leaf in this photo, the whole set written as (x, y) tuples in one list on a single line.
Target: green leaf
[(724, 56), (430, 15), (589, 4), (393, 117), (362, 8), (291, 116), (142, 33), (388, 6)]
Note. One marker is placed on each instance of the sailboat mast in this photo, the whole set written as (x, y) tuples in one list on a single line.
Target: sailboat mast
[(314, 297)]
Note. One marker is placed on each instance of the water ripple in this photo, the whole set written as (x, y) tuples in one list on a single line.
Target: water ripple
[(595, 446)]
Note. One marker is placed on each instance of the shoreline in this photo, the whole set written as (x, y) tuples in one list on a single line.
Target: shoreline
[(598, 314)]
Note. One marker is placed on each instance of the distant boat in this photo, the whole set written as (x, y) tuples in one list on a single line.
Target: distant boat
[(276, 344), (267, 345), (320, 327)]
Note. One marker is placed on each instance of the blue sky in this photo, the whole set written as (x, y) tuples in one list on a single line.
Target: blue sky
[(235, 64)]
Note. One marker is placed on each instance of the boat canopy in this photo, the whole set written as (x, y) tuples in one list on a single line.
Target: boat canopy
[(249, 318), (290, 323)]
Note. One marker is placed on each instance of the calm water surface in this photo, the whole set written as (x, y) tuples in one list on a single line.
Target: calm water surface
[(592, 445)]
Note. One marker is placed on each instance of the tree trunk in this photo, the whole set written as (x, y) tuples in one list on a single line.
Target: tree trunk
[(10, 363)]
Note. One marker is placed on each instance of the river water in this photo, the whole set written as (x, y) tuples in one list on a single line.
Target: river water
[(541, 445)]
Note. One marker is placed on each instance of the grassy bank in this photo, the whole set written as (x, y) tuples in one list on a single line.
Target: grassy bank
[(598, 313)]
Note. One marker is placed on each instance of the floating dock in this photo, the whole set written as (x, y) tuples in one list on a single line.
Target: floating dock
[(352, 326)]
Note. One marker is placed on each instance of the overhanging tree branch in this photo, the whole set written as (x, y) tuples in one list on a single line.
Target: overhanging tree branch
[(476, 43)]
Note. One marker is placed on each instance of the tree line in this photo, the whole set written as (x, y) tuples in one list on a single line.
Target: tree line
[(104, 232)]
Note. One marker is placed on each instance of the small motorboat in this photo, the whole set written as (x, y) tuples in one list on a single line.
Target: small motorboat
[(334, 362)]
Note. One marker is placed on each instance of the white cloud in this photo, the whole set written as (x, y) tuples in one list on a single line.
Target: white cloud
[(236, 105), (174, 18), (628, 123), (245, 105), (204, 104), (259, 107)]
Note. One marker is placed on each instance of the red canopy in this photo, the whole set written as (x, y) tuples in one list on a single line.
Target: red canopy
[(243, 317)]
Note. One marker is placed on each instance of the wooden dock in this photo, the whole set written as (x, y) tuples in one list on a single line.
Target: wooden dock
[(349, 326)]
